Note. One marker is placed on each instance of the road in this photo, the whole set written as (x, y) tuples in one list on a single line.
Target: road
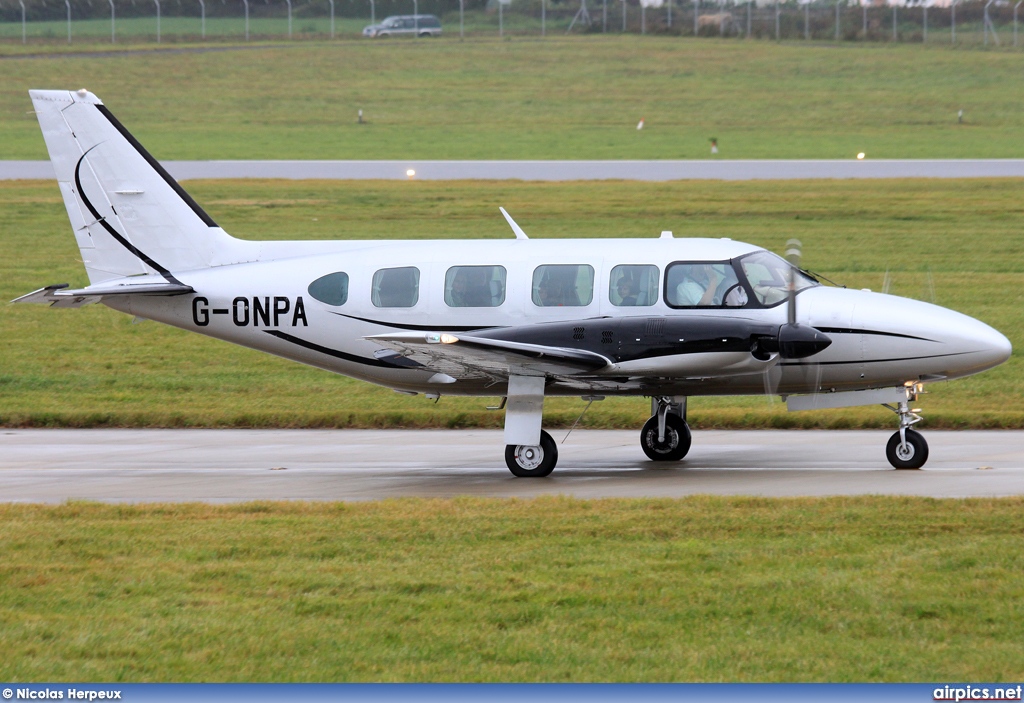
[(50, 466), (570, 170)]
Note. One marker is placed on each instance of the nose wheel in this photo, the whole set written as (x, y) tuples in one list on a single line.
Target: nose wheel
[(532, 461), (907, 452), (907, 448)]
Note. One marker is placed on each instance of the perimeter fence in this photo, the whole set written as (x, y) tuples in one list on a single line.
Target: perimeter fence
[(992, 23)]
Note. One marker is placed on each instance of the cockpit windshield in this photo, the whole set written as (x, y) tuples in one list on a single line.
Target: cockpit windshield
[(768, 275)]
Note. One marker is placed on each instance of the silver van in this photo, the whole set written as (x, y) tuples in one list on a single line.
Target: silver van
[(413, 25)]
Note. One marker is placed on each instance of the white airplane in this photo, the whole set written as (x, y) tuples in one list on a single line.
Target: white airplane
[(520, 319)]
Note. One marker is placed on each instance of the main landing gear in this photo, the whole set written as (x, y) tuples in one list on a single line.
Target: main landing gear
[(532, 461), (666, 436), (907, 448)]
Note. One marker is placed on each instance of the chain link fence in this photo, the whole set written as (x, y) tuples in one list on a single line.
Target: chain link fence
[(984, 22)]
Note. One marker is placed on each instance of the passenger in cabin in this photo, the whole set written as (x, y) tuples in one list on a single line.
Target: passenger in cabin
[(628, 291)]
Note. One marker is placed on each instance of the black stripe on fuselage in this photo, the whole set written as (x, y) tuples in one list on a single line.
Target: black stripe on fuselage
[(416, 328), (113, 232), (157, 167), (312, 346), (844, 330), (869, 361)]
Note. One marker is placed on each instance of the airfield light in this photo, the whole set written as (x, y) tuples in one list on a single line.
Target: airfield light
[(860, 156), (411, 173)]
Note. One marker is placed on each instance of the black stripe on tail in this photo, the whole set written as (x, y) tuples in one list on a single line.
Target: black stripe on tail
[(157, 167)]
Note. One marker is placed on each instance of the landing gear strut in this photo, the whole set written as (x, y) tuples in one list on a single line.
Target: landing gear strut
[(666, 436), (907, 448)]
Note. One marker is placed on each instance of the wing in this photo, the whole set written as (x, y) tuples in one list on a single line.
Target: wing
[(466, 357)]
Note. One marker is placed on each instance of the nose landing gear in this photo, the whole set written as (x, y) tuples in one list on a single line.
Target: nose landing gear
[(907, 448)]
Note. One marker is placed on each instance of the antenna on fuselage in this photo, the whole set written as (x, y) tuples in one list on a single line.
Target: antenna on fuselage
[(520, 234)]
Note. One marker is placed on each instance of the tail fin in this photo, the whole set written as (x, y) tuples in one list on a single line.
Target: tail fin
[(129, 216)]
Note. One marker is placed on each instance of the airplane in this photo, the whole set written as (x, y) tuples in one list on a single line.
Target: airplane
[(520, 319)]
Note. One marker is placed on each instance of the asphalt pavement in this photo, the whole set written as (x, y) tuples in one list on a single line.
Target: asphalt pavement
[(219, 466)]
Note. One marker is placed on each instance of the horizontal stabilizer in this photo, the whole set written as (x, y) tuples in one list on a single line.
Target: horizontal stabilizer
[(60, 296)]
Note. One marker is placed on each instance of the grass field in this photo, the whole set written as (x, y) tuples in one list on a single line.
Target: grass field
[(527, 98), (701, 589), (955, 243)]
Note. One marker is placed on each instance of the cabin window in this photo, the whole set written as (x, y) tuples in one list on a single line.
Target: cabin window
[(768, 276), (569, 285), (633, 286), (703, 284), (396, 288), (474, 286), (331, 289)]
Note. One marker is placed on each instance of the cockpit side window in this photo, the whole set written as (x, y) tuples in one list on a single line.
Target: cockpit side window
[(331, 289), (768, 275), (702, 284)]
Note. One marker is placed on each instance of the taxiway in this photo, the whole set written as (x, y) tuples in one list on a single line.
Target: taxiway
[(50, 466)]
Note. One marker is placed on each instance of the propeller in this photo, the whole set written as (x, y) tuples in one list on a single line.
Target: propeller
[(793, 341)]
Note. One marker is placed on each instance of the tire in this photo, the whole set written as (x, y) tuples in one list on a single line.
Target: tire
[(677, 439), (526, 461), (913, 456)]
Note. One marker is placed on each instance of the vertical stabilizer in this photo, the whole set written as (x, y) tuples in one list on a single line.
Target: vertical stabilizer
[(128, 215)]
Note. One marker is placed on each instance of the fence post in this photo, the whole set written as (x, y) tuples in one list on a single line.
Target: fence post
[(668, 7), (696, 12), (952, 22), (332, 17), (113, 28), (501, 20), (604, 17), (202, 19), (865, 7), (23, 35), (837, 19), (416, 18), (373, 14), (157, 20), (643, 18), (807, 21), (749, 3), (623, 16), (462, 25), (776, 20), (67, 3), (289, 18), (894, 37), (924, 38)]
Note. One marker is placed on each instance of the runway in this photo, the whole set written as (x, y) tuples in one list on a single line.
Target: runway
[(220, 466), (661, 170)]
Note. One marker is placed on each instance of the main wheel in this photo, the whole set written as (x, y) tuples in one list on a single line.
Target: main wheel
[(911, 455), (677, 439), (532, 461)]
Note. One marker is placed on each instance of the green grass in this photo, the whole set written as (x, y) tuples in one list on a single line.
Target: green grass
[(528, 98), (700, 589), (93, 367)]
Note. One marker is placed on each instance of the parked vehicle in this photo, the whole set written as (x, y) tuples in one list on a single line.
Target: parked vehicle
[(397, 25)]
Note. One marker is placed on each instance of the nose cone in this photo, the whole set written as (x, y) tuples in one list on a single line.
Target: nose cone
[(991, 347)]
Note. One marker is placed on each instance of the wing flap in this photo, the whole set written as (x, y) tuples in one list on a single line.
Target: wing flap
[(465, 356)]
